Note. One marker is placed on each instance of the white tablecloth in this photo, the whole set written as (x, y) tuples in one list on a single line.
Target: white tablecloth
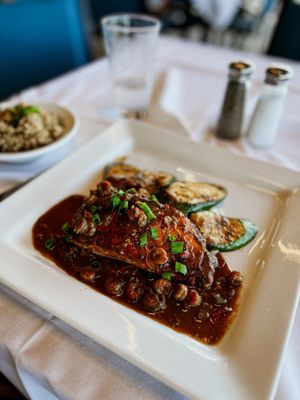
[(42, 356)]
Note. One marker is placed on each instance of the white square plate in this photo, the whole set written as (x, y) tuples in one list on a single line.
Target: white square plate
[(246, 364)]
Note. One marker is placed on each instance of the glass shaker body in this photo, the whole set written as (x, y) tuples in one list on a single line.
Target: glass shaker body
[(232, 112), (264, 123), (266, 116)]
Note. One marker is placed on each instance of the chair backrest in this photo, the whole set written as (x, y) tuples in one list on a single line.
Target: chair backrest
[(101, 7), (286, 38), (39, 39)]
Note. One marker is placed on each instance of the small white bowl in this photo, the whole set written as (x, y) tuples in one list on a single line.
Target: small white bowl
[(66, 117)]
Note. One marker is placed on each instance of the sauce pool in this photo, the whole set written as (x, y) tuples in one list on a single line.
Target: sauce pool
[(206, 322)]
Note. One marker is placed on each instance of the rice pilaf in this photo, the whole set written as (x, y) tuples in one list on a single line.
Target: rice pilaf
[(27, 127)]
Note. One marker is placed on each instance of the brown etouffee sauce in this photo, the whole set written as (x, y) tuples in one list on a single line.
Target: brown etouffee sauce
[(206, 322)]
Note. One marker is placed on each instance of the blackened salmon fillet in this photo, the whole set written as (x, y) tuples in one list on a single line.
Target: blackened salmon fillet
[(133, 227)]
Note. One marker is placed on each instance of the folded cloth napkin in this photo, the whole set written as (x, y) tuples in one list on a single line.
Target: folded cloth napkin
[(217, 13)]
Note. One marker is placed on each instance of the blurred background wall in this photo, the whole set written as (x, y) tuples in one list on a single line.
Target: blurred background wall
[(40, 39)]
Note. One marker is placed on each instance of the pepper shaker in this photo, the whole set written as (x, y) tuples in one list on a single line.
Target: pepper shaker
[(265, 120), (231, 117)]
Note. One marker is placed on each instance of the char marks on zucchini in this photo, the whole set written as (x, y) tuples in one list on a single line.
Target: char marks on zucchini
[(125, 176), (224, 233), (190, 197)]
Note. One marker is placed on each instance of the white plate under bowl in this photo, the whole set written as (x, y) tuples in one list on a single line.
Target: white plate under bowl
[(246, 363), (66, 117)]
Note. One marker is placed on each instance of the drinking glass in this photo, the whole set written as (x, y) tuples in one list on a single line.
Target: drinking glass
[(130, 42)]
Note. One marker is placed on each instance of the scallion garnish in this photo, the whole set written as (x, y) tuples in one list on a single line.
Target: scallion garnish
[(154, 233), (120, 192), (172, 238), (50, 244), (93, 209), (143, 239), (181, 268), (115, 200), (123, 205), (96, 219), (176, 247), (131, 190), (154, 198), (147, 210), (29, 110), (167, 275), (65, 227), (20, 112)]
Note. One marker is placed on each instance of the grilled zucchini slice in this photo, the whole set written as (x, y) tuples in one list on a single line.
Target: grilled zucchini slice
[(158, 180), (120, 170), (192, 196), (223, 233), (126, 174)]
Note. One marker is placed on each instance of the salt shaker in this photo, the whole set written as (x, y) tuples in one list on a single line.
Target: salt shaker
[(265, 120), (232, 112)]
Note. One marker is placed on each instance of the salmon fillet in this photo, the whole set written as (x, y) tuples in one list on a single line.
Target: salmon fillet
[(133, 227)]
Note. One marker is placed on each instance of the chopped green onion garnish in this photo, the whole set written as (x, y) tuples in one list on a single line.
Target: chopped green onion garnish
[(131, 190), (123, 205), (29, 110), (147, 210), (154, 233), (115, 200), (96, 219), (50, 244), (93, 209), (167, 275), (181, 268), (120, 192), (154, 198), (143, 239), (65, 227), (172, 238), (95, 264), (176, 247)]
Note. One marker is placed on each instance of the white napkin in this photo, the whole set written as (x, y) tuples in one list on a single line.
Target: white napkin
[(182, 97), (217, 13)]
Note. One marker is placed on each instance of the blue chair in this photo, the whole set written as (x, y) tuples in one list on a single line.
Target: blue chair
[(39, 39)]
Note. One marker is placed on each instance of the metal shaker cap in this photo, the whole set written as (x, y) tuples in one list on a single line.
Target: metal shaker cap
[(240, 69), (278, 74)]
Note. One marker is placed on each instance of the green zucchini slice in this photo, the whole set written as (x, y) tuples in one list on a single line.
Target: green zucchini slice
[(158, 179), (223, 233), (120, 170), (126, 174), (193, 196)]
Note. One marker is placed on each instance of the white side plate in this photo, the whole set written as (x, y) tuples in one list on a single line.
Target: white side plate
[(245, 365)]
